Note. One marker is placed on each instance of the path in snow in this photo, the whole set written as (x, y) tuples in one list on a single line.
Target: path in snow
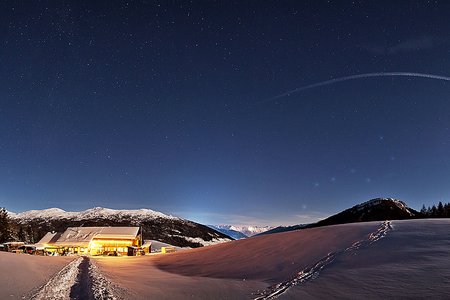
[(82, 288), (313, 271), (79, 280), (59, 286)]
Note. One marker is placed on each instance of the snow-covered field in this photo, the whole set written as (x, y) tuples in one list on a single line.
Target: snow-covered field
[(234, 270), (60, 285), (411, 262), (375, 260), (203, 242), (22, 274)]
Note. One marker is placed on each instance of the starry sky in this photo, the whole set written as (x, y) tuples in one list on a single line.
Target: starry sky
[(163, 105)]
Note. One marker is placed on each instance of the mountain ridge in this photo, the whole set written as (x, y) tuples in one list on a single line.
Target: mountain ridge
[(377, 209), (94, 212), (32, 225)]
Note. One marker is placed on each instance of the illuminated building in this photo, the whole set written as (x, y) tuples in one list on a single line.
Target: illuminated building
[(95, 240)]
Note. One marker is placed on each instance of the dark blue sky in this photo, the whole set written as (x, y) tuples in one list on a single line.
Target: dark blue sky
[(158, 105)]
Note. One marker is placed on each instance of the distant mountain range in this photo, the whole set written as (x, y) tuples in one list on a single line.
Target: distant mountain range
[(31, 225), (378, 209), (240, 232), (284, 229)]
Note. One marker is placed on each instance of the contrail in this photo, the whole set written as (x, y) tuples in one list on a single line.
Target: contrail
[(357, 76)]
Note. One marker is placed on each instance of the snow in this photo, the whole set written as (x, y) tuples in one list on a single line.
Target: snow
[(374, 202), (276, 256), (410, 262), (201, 241), (374, 260), (21, 274), (152, 283), (82, 236), (11, 214), (48, 237), (102, 288), (96, 212), (157, 245), (142, 213), (232, 270), (247, 230), (50, 213), (313, 271), (59, 286)]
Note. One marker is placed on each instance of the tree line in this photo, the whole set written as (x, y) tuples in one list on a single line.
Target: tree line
[(440, 210)]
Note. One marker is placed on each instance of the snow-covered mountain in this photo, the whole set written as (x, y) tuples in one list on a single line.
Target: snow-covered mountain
[(231, 233), (92, 213), (246, 231), (378, 209), (368, 205), (33, 224)]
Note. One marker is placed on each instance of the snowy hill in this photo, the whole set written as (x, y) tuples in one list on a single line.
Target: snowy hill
[(34, 224)]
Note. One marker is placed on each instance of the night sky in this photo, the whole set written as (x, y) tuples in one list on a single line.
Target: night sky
[(163, 105)]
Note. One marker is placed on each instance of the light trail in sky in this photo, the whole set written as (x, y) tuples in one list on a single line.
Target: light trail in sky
[(353, 77)]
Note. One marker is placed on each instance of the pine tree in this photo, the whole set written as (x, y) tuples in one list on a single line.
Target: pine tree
[(447, 210), (429, 212), (21, 234), (30, 234), (440, 210), (5, 230), (424, 210), (434, 211)]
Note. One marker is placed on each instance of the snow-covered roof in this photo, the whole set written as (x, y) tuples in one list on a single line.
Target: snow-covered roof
[(146, 244), (49, 237), (14, 243), (82, 236)]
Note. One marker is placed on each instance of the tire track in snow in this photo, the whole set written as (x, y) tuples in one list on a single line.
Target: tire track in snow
[(313, 271)]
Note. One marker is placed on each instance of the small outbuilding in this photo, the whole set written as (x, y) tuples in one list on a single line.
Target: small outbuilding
[(14, 246), (147, 247)]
